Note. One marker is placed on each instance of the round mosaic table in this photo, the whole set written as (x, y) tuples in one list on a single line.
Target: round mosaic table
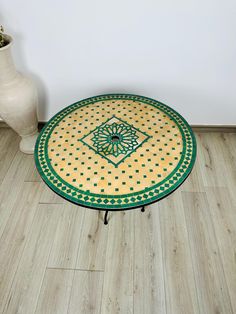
[(115, 152)]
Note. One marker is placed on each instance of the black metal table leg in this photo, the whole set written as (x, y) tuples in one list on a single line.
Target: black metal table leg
[(143, 209), (105, 218)]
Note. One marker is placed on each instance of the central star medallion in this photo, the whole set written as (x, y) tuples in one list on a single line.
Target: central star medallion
[(115, 140)]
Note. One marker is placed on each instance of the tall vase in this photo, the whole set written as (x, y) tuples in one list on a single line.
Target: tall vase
[(18, 100)]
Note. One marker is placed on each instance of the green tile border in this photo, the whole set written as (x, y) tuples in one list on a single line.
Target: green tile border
[(116, 202)]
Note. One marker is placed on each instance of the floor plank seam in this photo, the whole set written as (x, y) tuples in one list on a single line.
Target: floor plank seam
[(30, 181), (9, 165), (72, 284), (191, 254), (162, 258), (19, 260), (220, 257), (76, 260), (77, 269), (51, 203), (43, 273)]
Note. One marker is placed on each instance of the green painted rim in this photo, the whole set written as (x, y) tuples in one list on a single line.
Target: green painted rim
[(116, 202)]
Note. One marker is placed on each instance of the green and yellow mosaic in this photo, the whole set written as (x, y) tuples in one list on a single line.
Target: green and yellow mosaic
[(115, 151), (115, 140)]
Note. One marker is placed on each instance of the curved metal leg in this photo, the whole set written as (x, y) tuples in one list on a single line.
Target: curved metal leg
[(105, 218), (143, 209)]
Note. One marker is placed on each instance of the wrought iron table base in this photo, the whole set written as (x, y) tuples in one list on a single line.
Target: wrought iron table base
[(105, 218), (106, 214)]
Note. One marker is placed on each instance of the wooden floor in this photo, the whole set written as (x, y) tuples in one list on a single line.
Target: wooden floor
[(177, 257)]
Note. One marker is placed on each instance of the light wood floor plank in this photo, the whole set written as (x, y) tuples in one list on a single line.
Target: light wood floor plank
[(227, 143), (8, 197), (9, 142), (50, 197), (143, 260), (213, 167), (118, 276), (212, 290), (181, 296), (194, 182), (18, 169), (55, 292), (11, 187), (86, 292), (28, 279), (67, 237), (15, 234), (32, 174), (223, 213), (93, 242), (149, 289)]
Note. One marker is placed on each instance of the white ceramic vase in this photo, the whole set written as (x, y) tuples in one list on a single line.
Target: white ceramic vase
[(18, 101)]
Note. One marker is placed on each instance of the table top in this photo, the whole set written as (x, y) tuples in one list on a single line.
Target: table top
[(115, 152)]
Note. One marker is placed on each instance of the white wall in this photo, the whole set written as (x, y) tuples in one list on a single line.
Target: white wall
[(179, 52)]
